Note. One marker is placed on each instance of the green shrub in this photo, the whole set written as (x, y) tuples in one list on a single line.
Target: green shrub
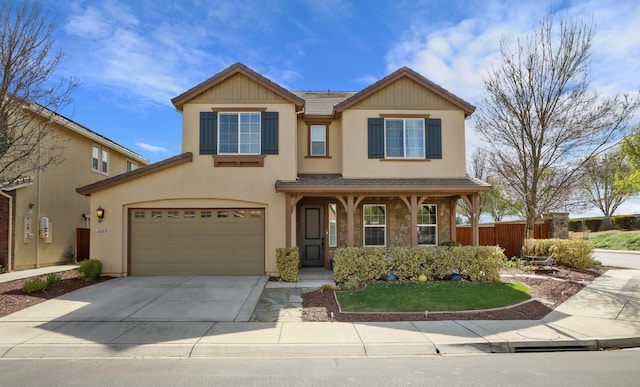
[(450, 244), (35, 285), (371, 264), (593, 224), (90, 269), (575, 225), (287, 260), (624, 222), (53, 279), (574, 253)]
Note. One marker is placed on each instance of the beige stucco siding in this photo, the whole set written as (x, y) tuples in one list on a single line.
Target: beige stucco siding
[(185, 186), (53, 195), (330, 164), (356, 163), (199, 184)]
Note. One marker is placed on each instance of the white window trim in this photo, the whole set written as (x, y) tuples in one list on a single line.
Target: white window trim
[(333, 243), (435, 226), (404, 136), (239, 134), (102, 161), (97, 169), (364, 227)]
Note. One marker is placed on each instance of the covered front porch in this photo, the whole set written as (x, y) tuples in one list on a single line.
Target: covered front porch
[(324, 212)]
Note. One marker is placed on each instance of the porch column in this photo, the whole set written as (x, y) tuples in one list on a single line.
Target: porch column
[(350, 205), (412, 204), (475, 219), (291, 201), (453, 206)]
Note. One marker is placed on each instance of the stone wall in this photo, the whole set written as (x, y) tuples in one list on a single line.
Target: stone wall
[(558, 225), (398, 222)]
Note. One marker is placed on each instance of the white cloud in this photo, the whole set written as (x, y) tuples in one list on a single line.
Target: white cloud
[(457, 56), (151, 148)]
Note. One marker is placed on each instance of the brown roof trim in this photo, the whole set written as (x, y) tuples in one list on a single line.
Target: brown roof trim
[(237, 68), (325, 184), (411, 74), (87, 190)]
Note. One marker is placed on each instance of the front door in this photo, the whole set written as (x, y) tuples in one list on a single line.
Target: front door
[(312, 251)]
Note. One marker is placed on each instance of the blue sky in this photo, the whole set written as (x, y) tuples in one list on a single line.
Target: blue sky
[(132, 57)]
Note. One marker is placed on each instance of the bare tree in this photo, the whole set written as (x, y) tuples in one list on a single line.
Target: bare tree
[(29, 95), (494, 203), (600, 184), (540, 119)]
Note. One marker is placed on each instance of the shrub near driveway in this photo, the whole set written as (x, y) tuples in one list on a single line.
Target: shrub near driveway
[(573, 253), (370, 264)]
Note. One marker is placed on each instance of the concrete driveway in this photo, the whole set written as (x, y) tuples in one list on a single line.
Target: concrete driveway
[(199, 298)]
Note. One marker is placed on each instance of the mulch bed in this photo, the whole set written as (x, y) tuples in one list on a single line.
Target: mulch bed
[(12, 299), (556, 287)]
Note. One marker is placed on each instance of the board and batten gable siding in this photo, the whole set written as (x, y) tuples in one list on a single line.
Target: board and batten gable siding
[(405, 94), (238, 89)]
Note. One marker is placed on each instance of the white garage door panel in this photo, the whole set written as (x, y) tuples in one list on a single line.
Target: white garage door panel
[(197, 242)]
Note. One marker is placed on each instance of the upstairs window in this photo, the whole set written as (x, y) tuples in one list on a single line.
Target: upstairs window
[(131, 166), (318, 140), (104, 165), (99, 160), (95, 159), (239, 133), (404, 138)]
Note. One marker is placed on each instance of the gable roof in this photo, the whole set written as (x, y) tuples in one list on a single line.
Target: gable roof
[(88, 189), (237, 68), (414, 76)]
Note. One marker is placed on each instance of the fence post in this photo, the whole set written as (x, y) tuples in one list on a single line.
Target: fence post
[(558, 225)]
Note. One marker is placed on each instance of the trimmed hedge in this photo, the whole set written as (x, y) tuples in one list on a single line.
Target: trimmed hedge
[(90, 269), (287, 260), (623, 222), (575, 225), (574, 253), (408, 263), (593, 224)]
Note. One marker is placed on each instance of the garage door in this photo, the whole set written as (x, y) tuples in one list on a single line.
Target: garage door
[(196, 242)]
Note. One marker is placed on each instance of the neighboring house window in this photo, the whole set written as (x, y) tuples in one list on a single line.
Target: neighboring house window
[(427, 225), (95, 158), (333, 225), (104, 169), (404, 139), (239, 133), (318, 140), (99, 160), (408, 138), (375, 224), (131, 166)]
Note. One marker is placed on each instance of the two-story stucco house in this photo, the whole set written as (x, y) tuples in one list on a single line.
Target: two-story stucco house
[(264, 167), (42, 218)]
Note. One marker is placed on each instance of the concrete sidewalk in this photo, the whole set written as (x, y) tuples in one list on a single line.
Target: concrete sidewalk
[(604, 314), (21, 274)]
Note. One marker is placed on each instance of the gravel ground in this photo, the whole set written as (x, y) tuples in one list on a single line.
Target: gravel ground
[(12, 299)]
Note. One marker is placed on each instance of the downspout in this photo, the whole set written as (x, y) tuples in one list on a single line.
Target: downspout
[(10, 229)]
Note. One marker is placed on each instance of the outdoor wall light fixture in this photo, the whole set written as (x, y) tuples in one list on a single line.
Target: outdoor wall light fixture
[(100, 214)]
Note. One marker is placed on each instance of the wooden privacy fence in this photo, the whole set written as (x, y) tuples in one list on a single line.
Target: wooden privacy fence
[(509, 236)]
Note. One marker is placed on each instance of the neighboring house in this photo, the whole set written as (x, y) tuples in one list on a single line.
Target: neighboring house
[(42, 212), (263, 167)]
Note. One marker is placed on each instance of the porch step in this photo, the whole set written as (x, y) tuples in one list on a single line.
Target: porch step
[(319, 273)]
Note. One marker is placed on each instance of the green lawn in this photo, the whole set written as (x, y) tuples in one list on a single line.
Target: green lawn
[(432, 296), (622, 240)]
